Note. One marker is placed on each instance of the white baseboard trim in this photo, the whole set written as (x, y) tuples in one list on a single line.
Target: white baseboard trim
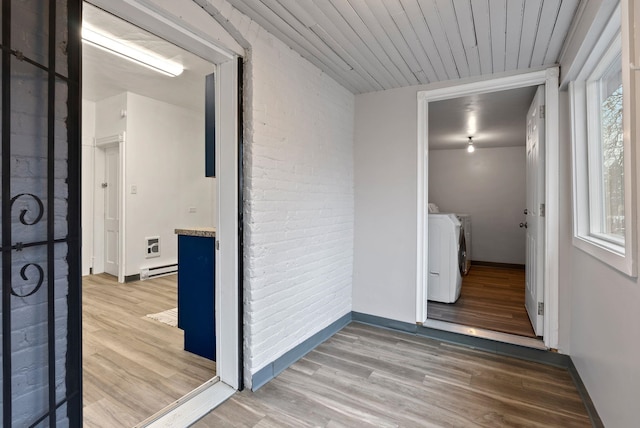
[(193, 406)]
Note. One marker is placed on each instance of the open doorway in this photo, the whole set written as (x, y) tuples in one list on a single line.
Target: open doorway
[(145, 168), (483, 181), (500, 181)]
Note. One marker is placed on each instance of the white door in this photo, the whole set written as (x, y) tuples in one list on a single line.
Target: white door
[(534, 223), (111, 210)]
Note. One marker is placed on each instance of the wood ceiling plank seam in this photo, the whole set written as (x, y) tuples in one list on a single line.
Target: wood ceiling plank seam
[(366, 35), (336, 47), (382, 16), (498, 30), (363, 11), (340, 76), (409, 35), (360, 46), (515, 15), (319, 47), (304, 36), (548, 19), (434, 25), (338, 41), (449, 21), (480, 10), (530, 23), (419, 25), (568, 9), (466, 27)]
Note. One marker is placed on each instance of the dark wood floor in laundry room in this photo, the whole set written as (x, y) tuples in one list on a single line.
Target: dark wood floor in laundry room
[(492, 298)]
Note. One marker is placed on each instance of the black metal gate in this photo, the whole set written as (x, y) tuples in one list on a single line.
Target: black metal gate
[(40, 236)]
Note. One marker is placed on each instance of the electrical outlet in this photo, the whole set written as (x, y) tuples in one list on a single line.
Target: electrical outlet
[(192, 210), (134, 189)]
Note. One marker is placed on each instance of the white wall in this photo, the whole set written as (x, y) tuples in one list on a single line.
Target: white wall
[(603, 303), (88, 183), (299, 214), (164, 158), (165, 161), (385, 153), (490, 185)]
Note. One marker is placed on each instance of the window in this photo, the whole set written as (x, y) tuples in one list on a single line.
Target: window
[(603, 194), (605, 148)]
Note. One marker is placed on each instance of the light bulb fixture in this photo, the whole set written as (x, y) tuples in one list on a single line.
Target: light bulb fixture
[(131, 53), (470, 147)]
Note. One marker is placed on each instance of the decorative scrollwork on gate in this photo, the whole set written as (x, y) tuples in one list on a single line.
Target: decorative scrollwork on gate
[(24, 212), (23, 274), (20, 245)]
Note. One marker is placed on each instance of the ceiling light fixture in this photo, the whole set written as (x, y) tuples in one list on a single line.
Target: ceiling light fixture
[(471, 148), (131, 53)]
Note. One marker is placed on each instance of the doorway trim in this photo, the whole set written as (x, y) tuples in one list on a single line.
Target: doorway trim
[(550, 78), (104, 143), (229, 368)]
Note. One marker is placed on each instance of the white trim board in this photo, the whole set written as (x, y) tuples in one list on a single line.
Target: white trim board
[(193, 406), (549, 78)]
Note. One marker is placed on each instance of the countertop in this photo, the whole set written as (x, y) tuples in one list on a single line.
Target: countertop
[(205, 232)]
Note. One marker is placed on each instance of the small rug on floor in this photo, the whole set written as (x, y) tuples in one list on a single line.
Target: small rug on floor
[(169, 317)]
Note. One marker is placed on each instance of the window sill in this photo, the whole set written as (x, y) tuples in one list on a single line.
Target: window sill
[(607, 252)]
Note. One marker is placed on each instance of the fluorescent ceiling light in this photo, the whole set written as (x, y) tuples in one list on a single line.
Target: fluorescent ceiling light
[(131, 53)]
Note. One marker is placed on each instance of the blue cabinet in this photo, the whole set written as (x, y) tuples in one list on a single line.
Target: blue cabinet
[(196, 279)]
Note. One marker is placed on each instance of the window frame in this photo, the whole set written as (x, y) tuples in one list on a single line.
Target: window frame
[(587, 171)]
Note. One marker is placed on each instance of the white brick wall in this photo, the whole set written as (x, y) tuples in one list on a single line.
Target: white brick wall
[(299, 201), (299, 209)]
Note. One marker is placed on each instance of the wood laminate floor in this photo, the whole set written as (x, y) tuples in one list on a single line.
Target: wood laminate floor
[(133, 366), (370, 377), (492, 298)]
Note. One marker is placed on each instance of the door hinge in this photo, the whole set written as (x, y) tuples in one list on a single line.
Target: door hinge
[(217, 245), (541, 210), (540, 308), (542, 111)]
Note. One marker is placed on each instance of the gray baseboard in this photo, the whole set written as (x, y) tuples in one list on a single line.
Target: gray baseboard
[(596, 422), (132, 278), (276, 367)]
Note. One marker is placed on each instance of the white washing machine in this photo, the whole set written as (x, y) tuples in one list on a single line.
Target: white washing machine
[(447, 258)]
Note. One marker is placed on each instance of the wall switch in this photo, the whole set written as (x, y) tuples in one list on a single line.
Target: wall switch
[(192, 210), (134, 189)]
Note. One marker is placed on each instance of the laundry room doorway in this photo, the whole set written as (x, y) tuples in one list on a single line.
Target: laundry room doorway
[(480, 165)]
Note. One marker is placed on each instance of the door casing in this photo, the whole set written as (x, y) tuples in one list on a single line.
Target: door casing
[(548, 77)]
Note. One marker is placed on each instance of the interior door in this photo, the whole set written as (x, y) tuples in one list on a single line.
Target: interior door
[(534, 277), (111, 210)]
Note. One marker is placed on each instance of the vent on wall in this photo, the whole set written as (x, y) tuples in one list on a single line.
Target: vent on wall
[(153, 247)]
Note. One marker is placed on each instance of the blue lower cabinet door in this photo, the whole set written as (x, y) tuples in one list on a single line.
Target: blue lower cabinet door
[(196, 279)]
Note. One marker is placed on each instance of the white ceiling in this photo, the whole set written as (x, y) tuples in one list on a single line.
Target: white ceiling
[(496, 119), (370, 45), (105, 74)]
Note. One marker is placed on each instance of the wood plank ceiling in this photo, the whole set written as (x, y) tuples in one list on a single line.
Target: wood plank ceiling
[(372, 45)]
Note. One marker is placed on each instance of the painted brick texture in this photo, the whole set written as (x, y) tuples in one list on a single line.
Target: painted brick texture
[(299, 200), (28, 163)]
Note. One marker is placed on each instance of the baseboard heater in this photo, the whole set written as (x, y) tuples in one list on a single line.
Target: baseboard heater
[(153, 272)]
